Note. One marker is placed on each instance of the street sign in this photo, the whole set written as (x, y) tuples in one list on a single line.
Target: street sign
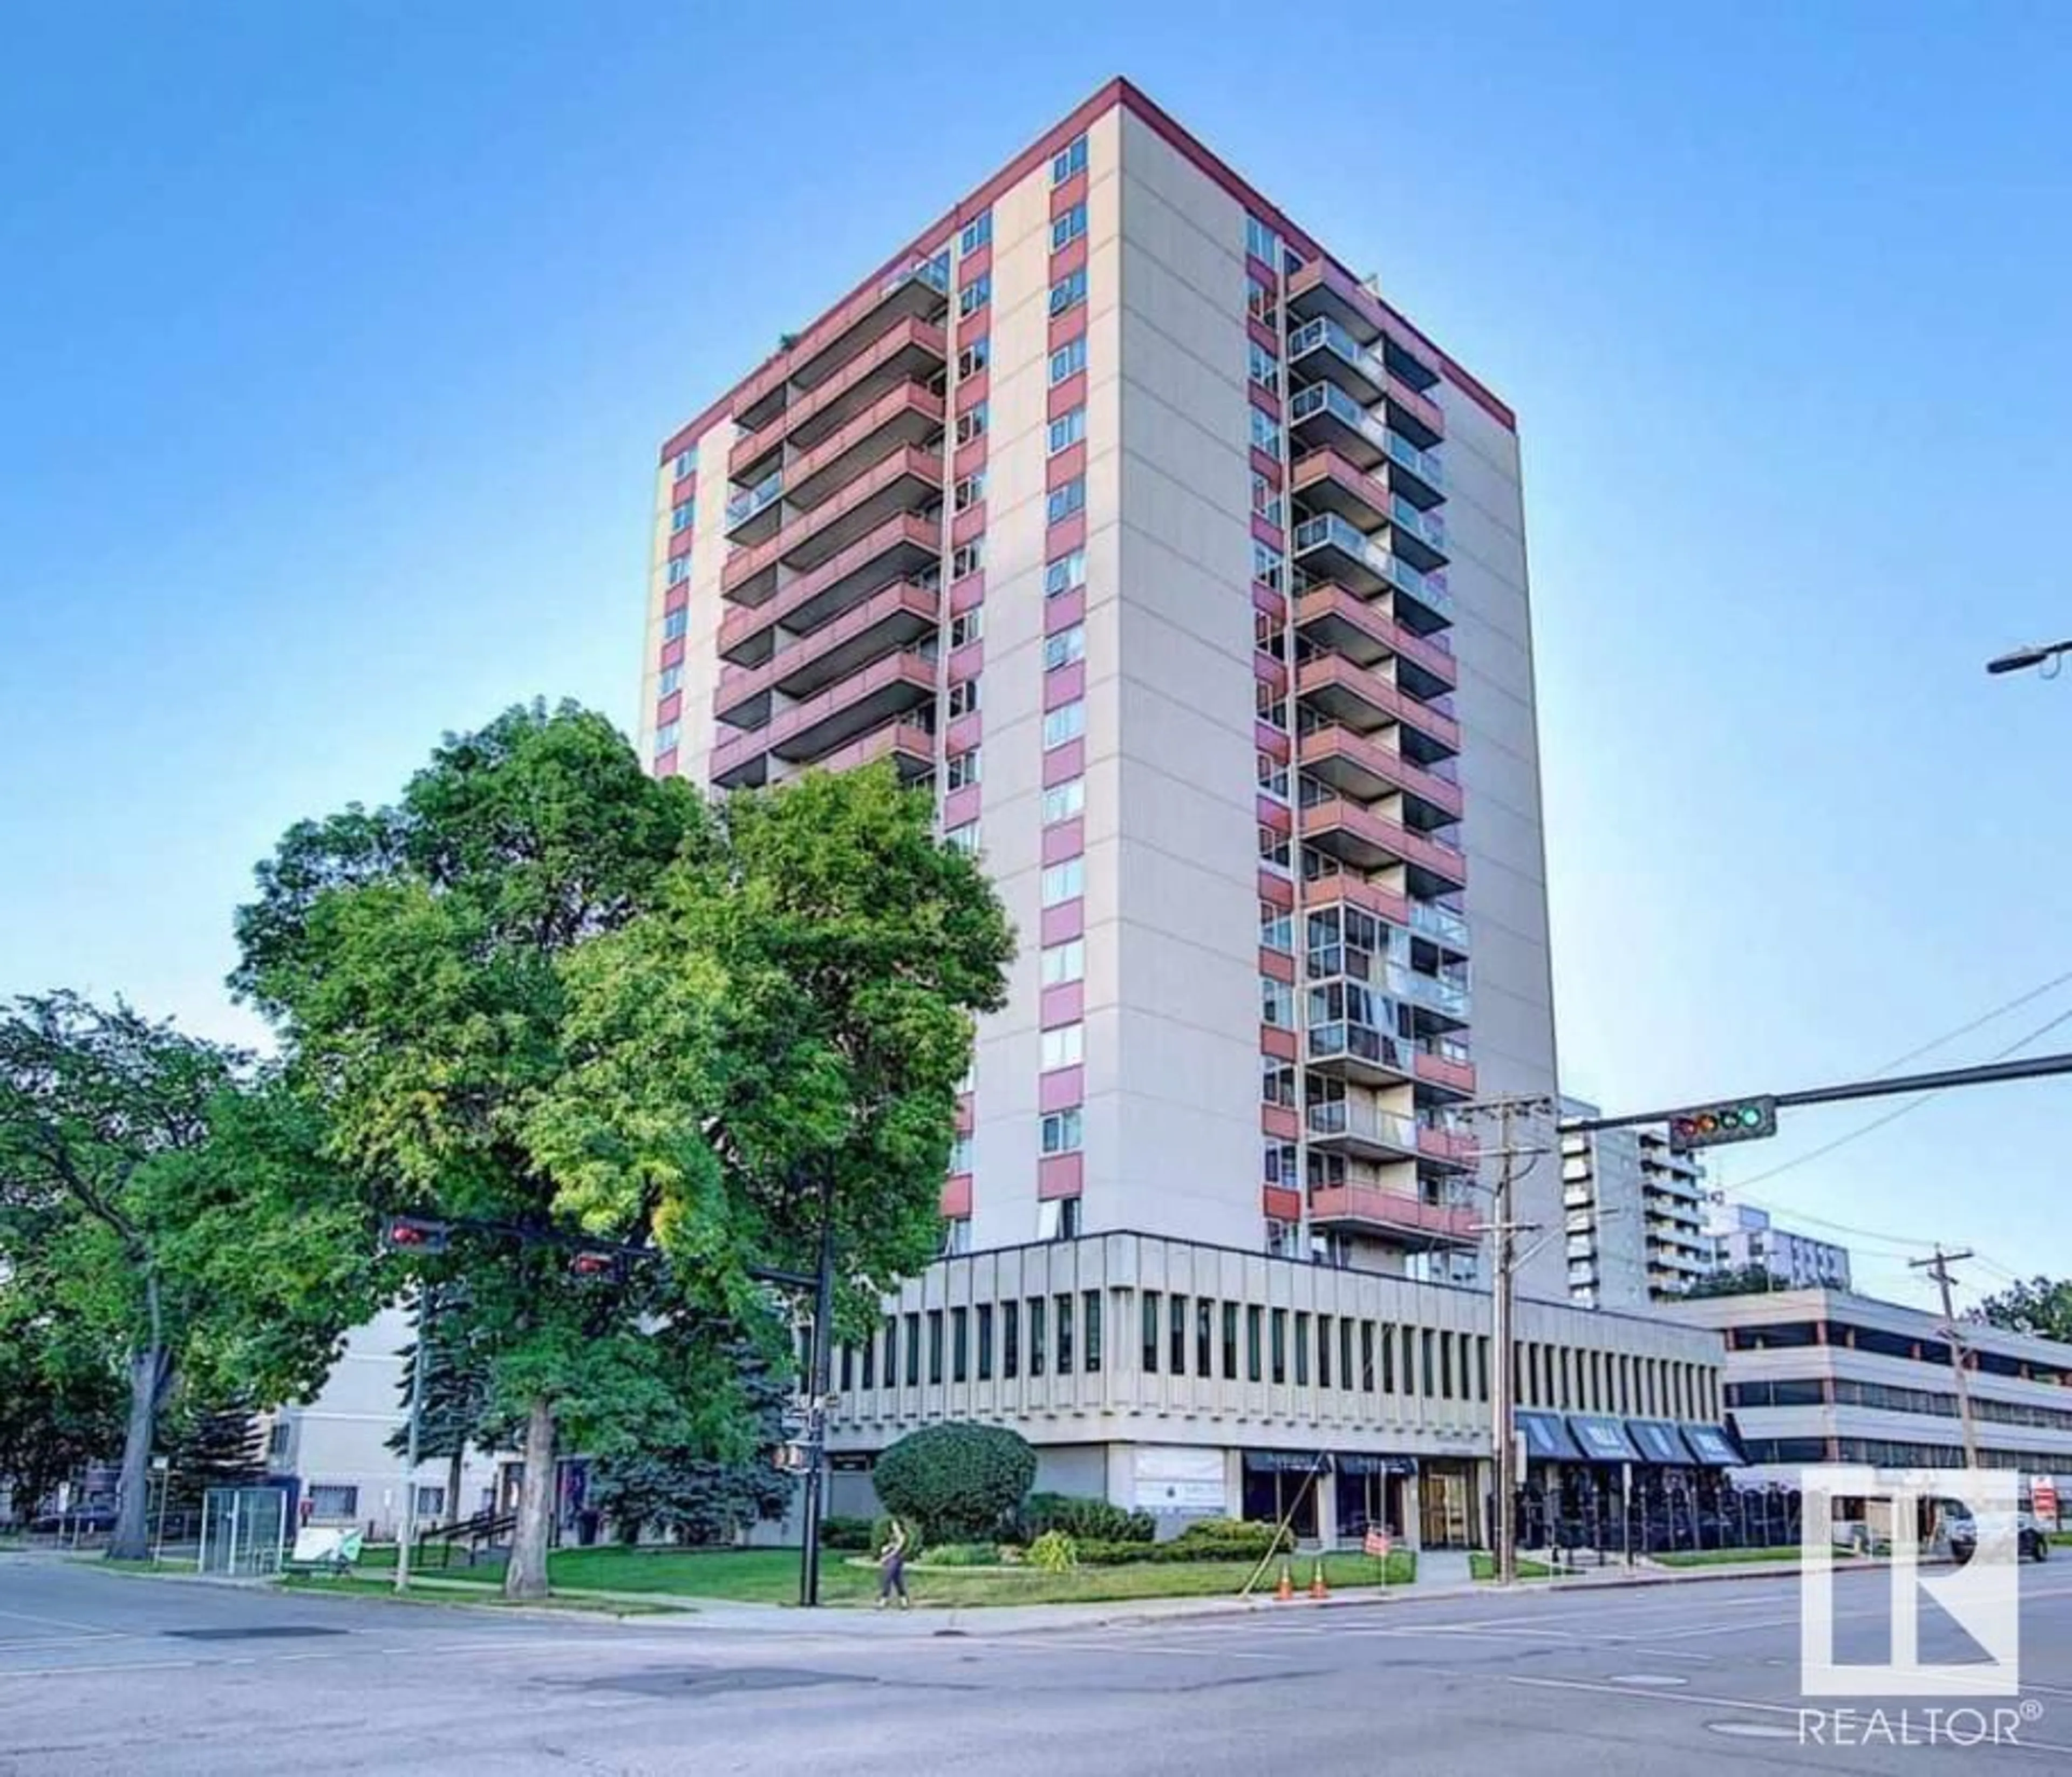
[(1377, 1544), (2043, 1498)]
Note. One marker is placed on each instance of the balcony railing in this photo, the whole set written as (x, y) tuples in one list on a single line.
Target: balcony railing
[(1366, 1206), (1336, 1037), (1363, 1122), (1425, 464), (1429, 529), (1317, 398), (1441, 924), (1329, 531), (744, 506), (1427, 990)]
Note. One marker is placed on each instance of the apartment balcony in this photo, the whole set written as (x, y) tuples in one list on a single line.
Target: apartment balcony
[(907, 417), (1323, 417), (919, 290), (908, 744), (1440, 926), (1344, 693), (1414, 470), (1455, 1149), (810, 731), (1359, 1053), (894, 618), (912, 353), (1341, 622), (1443, 1074), (900, 549), (1366, 1209), (1342, 889), (1418, 536), (1320, 288), (1328, 548), (1365, 771), (1362, 1130), (1365, 841), (1320, 349), (1325, 482), (904, 482), (754, 514), (1437, 1003)]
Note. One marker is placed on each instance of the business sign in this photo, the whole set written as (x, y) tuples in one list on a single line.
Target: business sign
[(1980, 1597), (1376, 1544), (2043, 1499), (1179, 1478)]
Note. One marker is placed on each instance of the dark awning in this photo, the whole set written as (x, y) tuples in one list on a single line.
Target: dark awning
[(1713, 1446), (1603, 1440), (1658, 1442), (1361, 1463), (1286, 1462), (1546, 1439)]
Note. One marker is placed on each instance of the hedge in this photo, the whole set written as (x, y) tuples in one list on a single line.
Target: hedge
[(955, 1483)]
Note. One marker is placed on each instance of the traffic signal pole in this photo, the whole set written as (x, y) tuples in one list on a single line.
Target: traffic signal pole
[(817, 1384), (410, 1459)]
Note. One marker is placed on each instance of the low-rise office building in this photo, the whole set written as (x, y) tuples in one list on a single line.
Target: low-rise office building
[(1740, 1238), (1819, 1376), (1188, 1379)]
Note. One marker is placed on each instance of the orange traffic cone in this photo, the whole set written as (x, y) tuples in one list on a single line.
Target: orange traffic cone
[(1317, 1588), (1285, 1589)]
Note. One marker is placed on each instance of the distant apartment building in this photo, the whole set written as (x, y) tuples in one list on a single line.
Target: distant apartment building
[(1739, 1238), (1189, 576), (1632, 1215), (1819, 1376)]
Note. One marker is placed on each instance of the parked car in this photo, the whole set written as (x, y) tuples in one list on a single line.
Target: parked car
[(88, 1520), (2031, 1543)]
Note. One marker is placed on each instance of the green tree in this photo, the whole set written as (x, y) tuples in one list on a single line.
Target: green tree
[(2042, 1307), (956, 1482), (1747, 1280), (164, 1200), (209, 1446), (60, 1401), (455, 1410)]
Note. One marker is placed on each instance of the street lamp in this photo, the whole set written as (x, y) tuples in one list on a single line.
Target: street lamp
[(2047, 655)]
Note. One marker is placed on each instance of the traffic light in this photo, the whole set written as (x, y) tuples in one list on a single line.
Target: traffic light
[(792, 1459), (413, 1234), (1713, 1125)]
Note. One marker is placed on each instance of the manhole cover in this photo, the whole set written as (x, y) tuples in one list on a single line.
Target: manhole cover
[(273, 1631), (1753, 1730)]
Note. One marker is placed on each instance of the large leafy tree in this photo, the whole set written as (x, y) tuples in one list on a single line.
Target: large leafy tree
[(2042, 1307), (548, 992), (1746, 1280), (60, 1399), (165, 1202)]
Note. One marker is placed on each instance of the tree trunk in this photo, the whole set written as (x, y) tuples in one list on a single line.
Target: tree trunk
[(454, 1512), (526, 1577), (132, 1541)]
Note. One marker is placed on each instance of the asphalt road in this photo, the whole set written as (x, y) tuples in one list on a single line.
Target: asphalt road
[(100, 1673)]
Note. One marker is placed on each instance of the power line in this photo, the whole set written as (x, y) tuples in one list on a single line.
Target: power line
[(1893, 1115), (1998, 1012)]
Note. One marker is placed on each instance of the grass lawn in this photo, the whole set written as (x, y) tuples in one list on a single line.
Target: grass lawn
[(1482, 1566), (372, 1585), (1730, 1557), (771, 1576)]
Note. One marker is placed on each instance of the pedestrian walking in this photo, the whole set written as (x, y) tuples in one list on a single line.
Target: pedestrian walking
[(892, 1568)]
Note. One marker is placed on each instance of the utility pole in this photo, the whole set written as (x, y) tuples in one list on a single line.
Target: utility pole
[(1501, 1283), (410, 1458), (820, 1367), (1938, 1268)]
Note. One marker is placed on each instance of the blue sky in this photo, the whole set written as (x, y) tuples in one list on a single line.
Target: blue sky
[(336, 342)]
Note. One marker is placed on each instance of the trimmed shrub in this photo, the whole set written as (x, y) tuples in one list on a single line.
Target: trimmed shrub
[(1085, 1520), (1226, 1539), (955, 1483), (962, 1555), (1054, 1552), (850, 1535)]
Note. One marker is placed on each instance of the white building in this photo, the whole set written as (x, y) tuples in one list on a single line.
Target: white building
[(1738, 1237), (1632, 1215)]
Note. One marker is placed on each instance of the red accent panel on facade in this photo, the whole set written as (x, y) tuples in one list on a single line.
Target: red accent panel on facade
[(967, 593), (1063, 764), (1064, 1004), (969, 459), (666, 765), (1281, 1203), (973, 390), (1269, 669), (1070, 462), (1269, 534), (1273, 815), (976, 263), (1277, 964), (960, 806), (1264, 598), (1063, 326), (968, 523), (1059, 1174), (669, 709), (1268, 738), (1064, 611), (1263, 336), (967, 662), (1065, 536), (679, 545), (1440, 1071), (1067, 919), (1066, 396), (965, 733), (967, 1113), (1264, 400), (1279, 1044), (1262, 464), (1065, 840), (1069, 258), (1256, 267), (1278, 1121), (1061, 1088), (1065, 684), (676, 598), (673, 652), (1276, 890), (1064, 196), (957, 1197)]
